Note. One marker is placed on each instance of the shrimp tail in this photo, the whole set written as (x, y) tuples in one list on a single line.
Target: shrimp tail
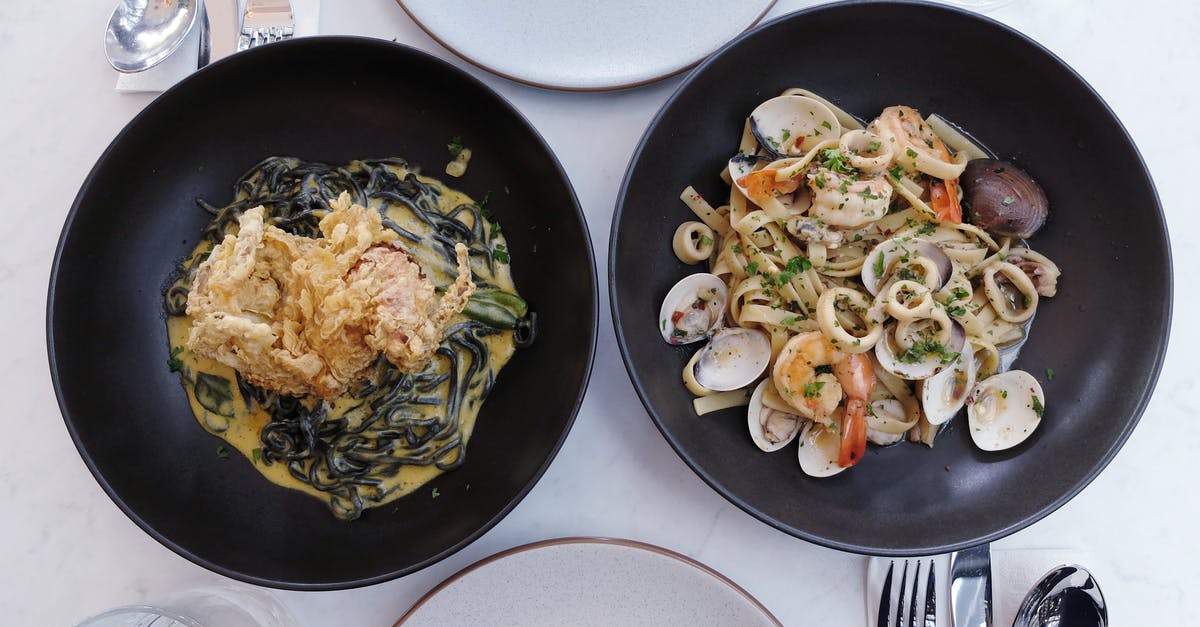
[(854, 433)]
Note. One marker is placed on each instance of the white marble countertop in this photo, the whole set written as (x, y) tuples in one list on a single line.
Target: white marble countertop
[(66, 551)]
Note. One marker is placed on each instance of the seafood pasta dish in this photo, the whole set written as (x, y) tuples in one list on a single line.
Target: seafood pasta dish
[(341, 326), (865, 281)]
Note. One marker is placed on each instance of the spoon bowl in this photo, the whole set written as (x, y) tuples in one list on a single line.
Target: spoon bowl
[(1067, 596), (142, 33)]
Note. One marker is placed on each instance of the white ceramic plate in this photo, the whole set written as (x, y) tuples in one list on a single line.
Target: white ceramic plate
[(585, 46), (587, 581)]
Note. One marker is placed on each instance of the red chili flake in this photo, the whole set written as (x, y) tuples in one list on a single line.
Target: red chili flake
[(676, 316)]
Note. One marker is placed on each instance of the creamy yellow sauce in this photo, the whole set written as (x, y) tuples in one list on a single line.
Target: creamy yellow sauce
[(243, 430)]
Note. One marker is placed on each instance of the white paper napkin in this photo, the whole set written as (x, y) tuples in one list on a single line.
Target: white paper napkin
[(1014, 571), (184, 60)]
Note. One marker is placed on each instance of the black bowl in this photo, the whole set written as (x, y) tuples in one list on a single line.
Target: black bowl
[(320, 99), (1103, 337)]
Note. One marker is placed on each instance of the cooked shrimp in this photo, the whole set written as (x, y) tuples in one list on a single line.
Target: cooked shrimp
[(918, 148), (857, 378), (761, 185), (847, 201), (817, 396), (814, 395)]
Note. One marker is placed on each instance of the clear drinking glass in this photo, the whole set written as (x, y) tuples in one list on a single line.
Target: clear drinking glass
[(212, 606)]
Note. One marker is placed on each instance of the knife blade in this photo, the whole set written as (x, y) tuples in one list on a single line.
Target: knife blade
[(971, 587)]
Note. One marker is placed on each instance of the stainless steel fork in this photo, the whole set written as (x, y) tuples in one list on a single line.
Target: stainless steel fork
[(266, 21), (927, 591)]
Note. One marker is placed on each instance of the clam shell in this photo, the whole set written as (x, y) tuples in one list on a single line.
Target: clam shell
[(1003, 198), (696, 323), (788, 126), (888, 256), (943, 394), (929, 365), (756, 420), (819, 448), (1002, 411), (734, 358)]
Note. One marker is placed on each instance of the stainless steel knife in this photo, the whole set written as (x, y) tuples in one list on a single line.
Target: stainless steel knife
[(971, 587)]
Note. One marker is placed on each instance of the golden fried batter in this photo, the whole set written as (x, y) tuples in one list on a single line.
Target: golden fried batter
[(309, 316)]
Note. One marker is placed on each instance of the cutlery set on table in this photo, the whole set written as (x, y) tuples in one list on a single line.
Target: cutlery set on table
[(909, 595), (175, 38)]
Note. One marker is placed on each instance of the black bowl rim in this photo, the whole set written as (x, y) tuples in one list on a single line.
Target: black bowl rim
[(1160, 346), (593, 326)]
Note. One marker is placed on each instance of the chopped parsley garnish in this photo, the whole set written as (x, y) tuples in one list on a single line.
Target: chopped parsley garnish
[(1038, 408), (435, 493), (866, 193), (679, 333), (878, 265), (1050, 374), (827, 125), (799, 264), (1008, 200), (737, 249), (174, 362), (790, 320), (786, 134), (819, 179), (706, 240), (500, 254), (752, 268), (957, 311), (455, 146), (912, 154), (483, 208), (873, 146), (959, 293), (495, 230), (833, 159), (897, 172), (223, 452), (257, 454), (811, 390), (919, 350)]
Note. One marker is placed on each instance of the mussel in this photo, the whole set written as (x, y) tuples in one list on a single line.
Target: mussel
[(1003, 199)]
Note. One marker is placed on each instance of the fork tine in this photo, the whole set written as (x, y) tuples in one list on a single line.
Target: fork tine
[(930, 599), (916, 591), (883, 615), (900, 601)]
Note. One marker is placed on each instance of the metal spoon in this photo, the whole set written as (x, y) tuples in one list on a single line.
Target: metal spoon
[(1067, 596), (141, 33)]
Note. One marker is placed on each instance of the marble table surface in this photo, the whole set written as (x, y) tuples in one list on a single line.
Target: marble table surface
[(66, 551)]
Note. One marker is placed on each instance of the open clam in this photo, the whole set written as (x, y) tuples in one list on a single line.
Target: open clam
[(693, 309), (1005, 409), (907, 258), (788, 126), (819, 449), (734, 358), (943, 394), (921, 349), (770, 428)]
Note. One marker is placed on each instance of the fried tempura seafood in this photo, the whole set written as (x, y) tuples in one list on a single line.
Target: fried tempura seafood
[(299, 315)]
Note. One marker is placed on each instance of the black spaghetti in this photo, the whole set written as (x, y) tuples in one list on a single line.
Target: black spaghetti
[(393, 431)]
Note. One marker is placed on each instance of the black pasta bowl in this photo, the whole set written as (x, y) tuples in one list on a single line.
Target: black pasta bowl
[(332, 100), (1106, 229)]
